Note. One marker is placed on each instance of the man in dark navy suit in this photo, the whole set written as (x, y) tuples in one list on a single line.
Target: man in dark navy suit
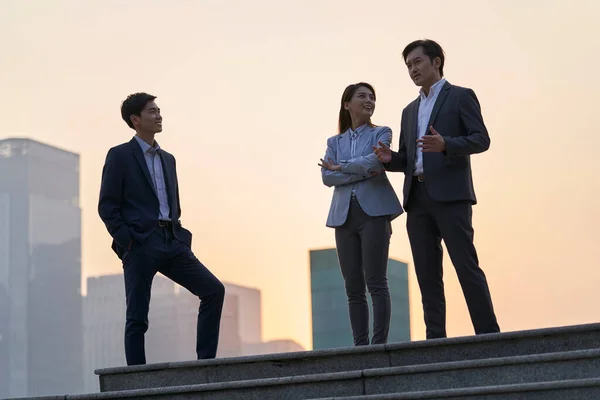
[(139, 204), (439, 132)]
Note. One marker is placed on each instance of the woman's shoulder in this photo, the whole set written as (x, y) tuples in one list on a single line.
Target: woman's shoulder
[(333, 138), (378, 129)]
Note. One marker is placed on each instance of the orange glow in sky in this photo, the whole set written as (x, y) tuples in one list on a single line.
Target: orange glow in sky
[(250, 92)]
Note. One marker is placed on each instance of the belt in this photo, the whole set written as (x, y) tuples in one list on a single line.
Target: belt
[(165, 224)]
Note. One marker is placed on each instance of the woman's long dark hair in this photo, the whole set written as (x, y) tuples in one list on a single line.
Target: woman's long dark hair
[(345, 122)]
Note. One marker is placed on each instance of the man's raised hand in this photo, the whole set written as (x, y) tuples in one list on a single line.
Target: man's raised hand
[(383, 152)]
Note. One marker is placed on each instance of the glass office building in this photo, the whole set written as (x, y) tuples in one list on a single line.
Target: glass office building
[(40, 270), (330, 320)]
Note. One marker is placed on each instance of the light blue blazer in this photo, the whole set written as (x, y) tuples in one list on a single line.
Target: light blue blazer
[(375, 194)]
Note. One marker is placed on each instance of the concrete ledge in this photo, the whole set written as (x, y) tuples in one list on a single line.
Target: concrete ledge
[(564, 330), (576, 355), (55, 397), (298, 387), (554, 374), (582, 364), (518, 343), (278, 357), (436, 378), (578, 389)]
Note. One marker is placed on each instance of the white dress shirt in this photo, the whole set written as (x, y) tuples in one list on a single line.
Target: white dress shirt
[(425, 108), (153, 161)]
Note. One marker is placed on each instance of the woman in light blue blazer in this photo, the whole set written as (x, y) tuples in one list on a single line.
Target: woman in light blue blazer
[(363, 206)]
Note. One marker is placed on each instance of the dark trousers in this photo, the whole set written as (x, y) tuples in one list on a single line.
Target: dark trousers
[(362, 245), (427, 223), (161, 252)]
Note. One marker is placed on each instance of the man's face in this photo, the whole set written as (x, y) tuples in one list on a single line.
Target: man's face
[(421, 69), (150, 120)]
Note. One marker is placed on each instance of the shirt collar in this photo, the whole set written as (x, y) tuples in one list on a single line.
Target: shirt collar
[(435, 89), (145, 146), (357, 131)]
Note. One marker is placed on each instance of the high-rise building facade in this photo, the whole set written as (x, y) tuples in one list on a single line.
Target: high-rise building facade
[(250, 312), (330, 319), (272, 347), (40, 270), (103, 326)]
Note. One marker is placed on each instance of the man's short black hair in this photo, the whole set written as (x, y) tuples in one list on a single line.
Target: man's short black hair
[(431, 49), (133, 105)]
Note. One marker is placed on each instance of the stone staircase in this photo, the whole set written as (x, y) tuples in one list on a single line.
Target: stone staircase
[(553, 363)]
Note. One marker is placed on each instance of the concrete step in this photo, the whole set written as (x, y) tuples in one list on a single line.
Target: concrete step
[(518, 343), (433, 378), (579, 364), (579, 389)]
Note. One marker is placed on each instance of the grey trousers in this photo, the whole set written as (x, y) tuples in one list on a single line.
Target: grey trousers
[(362, 246)]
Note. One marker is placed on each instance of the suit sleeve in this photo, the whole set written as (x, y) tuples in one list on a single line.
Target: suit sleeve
[(111, 198), (477, 139), (399, 159), (364, 165), (337, 178)]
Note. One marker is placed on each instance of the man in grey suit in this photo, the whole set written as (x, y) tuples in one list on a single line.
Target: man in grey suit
[(439, 131)]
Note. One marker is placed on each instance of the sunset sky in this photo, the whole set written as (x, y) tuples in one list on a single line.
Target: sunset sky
[(249, 92)]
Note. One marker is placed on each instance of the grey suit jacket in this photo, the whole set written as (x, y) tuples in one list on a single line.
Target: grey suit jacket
[(457, 117), (375, 194)]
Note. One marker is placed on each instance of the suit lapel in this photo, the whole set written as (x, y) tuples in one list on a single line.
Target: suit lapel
[(345, 147), (168, 172), (412, 134), (414, 119), (137, 153), (438, 104)]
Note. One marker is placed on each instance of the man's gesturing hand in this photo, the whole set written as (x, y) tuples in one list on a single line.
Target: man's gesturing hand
[(433, 143), (383, 152)]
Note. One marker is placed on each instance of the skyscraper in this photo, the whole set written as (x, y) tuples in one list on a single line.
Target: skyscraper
[(250, 312), (40, 270), (330, 319)]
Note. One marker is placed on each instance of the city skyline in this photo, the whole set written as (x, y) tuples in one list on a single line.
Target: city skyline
[(52, 337), (40, 270), (248, 105)]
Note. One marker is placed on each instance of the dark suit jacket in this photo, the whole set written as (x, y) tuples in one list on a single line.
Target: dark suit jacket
[(457, 117), (128, 203)]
